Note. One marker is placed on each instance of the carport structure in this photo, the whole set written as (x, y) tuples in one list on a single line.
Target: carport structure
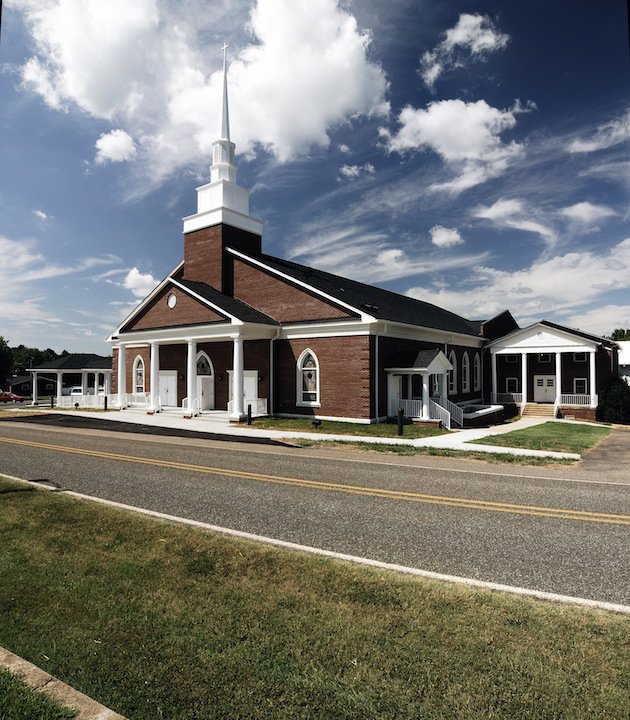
[(95, 371)]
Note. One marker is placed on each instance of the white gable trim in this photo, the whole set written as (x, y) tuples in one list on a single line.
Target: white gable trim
[(541, 338), (438, 366), (365, 317), (143, 303)]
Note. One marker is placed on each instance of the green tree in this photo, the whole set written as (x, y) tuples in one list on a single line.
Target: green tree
[(6, 359), (620, 334), (614, 402)]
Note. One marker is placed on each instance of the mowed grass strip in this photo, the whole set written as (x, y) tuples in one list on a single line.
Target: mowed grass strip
[(19, 702), (334, 427), (157, 620), (559, 437)]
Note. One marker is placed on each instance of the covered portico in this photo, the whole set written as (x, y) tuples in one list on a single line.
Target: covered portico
[(547, 364), (430, 400), (95, 372), (197, 360)]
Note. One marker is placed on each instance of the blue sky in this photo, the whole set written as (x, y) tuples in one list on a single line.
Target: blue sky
[(472, 154)]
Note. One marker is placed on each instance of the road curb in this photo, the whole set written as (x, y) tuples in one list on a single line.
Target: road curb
[(47, 684)]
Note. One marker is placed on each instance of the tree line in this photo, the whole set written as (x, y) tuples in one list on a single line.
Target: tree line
[(17, 360)]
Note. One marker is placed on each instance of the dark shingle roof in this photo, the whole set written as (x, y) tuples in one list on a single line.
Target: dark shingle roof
[(413, 359), (231, 305), (382, 304), (76, 362)]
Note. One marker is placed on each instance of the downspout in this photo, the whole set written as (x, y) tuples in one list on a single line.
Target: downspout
[(271, 372), (376, 369)]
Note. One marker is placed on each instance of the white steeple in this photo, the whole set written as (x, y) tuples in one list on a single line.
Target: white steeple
[(222, 200)]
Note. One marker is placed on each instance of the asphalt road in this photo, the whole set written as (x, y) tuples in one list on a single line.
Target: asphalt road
[(565, 531)]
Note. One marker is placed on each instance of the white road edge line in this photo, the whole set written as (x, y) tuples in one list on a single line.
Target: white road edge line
[(455, 579)]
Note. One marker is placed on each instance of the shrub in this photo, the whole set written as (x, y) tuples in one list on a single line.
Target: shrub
[(614, 402)]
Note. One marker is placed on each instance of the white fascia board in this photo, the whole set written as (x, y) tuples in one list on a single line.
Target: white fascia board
[(199, 333), (192, 293), (419, 332), (540, 338), (146, 300), (327, 329), (364, 316), (225, 216)]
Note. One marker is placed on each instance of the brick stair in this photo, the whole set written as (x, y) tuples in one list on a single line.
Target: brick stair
[(539, 410)]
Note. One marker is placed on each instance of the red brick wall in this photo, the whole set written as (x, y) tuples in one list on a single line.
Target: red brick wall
[(187, 311), (279, 299), (205, 259), (344, 366), (114, 371), (130, 356)]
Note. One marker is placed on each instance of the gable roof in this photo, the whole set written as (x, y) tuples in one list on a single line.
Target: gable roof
[(379, 303), (432, 360), (564, 329), (580, 333), (76, 362)]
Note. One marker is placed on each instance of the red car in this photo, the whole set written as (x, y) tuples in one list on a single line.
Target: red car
[(6, 397)]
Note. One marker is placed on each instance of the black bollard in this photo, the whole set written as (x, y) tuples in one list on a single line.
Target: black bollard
[(105, 403), (52, 402), (401, 416), (249, 414)]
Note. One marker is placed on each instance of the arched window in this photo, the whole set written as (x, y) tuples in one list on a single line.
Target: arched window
[(452, 374), (465, 373), (308, 379), (138, 375), (204, 364), (477, 372)]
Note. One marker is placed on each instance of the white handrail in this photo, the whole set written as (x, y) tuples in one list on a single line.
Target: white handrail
[(437, 412), (456, 412)]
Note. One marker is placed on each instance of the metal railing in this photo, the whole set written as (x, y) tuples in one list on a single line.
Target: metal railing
[(507, 398), (581, 400), (191, 409), (456, 412), (437, 412), (259, 407)]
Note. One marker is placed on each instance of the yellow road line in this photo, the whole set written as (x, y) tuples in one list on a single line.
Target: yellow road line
[(472, 504)]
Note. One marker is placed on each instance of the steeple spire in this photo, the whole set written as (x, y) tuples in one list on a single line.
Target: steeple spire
[(225, 113)]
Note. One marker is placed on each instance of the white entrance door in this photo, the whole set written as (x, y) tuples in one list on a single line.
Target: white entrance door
[(544, 388), (393, 394), (205, 391), (168, 388), (250, 387)]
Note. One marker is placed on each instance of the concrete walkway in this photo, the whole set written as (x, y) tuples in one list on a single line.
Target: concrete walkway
[(217, 423)]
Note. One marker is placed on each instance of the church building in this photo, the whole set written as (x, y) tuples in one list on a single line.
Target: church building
[(232, 328)]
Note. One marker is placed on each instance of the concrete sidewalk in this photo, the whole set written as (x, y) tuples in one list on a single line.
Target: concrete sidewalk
[(217, 423)]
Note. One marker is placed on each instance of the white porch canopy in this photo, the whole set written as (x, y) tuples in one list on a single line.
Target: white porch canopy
[(423, 363)]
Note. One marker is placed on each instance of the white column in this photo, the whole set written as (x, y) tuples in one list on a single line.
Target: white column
[(34, 374), (237, 380), (107, 383), (154, 405), (84, 382), (191, 376), (558, 377), (426, 414), (524, 377), (444, 386), (59, 386), (495, 389), (122, 376), (591, 377)]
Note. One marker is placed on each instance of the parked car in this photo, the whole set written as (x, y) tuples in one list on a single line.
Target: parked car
[(11, 397), (76, 390)]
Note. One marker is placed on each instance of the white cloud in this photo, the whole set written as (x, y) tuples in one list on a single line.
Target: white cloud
[(41, 215), (556, 285), (445, 237), (585, 213), (354, 171), (297, 70), (115, 146), (467, 136), (139, 283), (513, 213), (473, 37), (612, 133), (345, 149), (601, 320)]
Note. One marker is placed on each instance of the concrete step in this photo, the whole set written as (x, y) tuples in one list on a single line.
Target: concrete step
[(539, 410)]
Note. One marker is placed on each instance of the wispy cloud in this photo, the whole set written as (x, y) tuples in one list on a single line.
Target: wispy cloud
[(611, 133)]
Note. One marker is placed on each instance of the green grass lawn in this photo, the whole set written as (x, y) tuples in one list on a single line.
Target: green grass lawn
[(19, 702), (554, 436), (335, 427), (157, 620)]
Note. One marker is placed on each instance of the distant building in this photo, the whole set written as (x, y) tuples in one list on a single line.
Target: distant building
[(624, 359), (87, 370)]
